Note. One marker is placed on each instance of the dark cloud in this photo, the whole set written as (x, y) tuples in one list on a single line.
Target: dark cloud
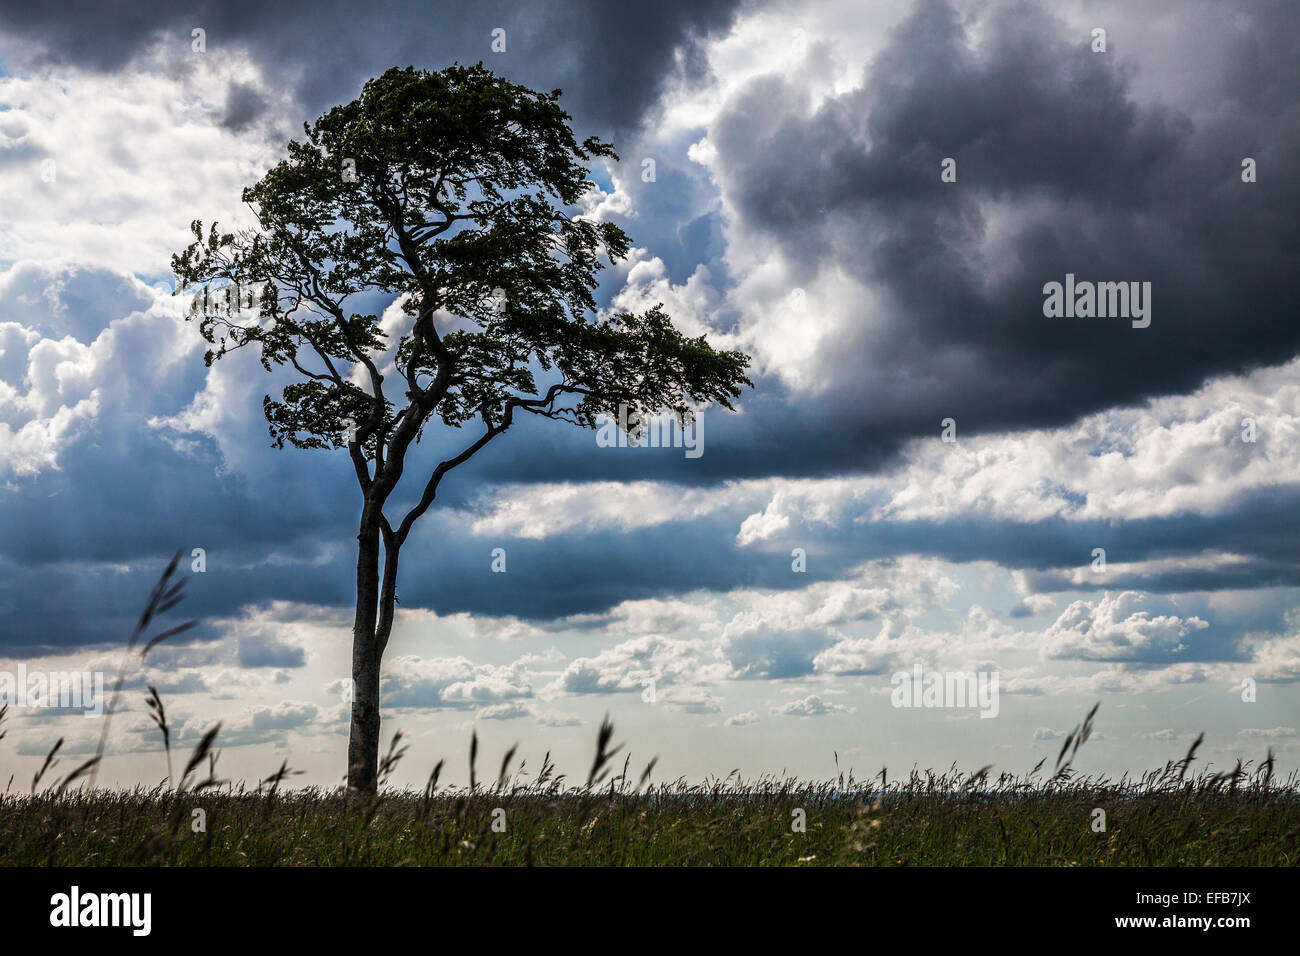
[(61, 605), (1060, 170), (266, 650), (244, 104), (611, 59), (775, 654)]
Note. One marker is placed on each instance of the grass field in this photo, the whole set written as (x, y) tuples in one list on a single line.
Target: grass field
[(1166, 818), (617, 817)]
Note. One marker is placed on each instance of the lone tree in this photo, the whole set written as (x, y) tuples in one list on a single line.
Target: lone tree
[(445, 192)]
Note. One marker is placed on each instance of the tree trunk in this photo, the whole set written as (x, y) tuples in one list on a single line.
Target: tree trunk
[(370, 629), (363, 740)]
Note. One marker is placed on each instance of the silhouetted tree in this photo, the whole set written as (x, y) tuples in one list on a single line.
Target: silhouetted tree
[(446, 191)]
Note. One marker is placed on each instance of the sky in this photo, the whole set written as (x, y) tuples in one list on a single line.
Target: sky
[(867, 198)]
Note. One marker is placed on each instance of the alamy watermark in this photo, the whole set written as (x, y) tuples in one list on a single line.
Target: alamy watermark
[(75, 908), (1100, 300), (946, 689), (666, 430), (79, 690)]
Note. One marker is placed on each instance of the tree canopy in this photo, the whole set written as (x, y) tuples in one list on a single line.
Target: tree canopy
[(452, 191)]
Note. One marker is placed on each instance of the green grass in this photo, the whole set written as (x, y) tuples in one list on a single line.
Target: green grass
[(1165, 818), (669, 827)]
